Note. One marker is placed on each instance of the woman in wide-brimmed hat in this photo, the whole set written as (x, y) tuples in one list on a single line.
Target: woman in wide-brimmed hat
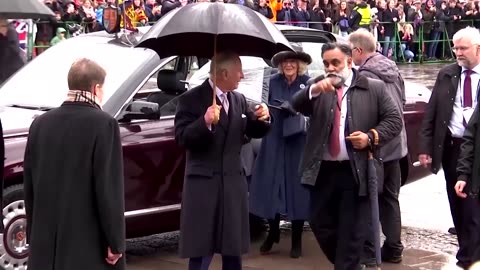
[(275, 189)]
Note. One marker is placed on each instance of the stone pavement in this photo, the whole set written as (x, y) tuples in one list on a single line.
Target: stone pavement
[(313, 259)]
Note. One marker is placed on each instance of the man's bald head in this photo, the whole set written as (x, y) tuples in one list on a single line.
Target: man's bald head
[(85, 74)]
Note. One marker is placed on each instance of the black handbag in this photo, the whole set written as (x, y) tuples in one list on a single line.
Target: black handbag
[(295, 125)]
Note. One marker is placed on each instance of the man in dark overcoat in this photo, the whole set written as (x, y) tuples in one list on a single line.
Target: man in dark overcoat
[(2, 163), (73, 181), (346, 121), (214, 216), (454, 96)]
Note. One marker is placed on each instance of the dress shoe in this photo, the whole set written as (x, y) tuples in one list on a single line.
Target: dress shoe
[(273, 235), (452, 230)]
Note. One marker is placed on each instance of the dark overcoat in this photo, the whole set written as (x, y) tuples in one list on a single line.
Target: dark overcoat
[(275, 186), (438, 113), (74, 194), (468, 165), (2, 163), (214, 216)]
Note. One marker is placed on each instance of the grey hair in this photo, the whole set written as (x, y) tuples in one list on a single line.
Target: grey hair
[(469, 33), (223, 61), (302, 68), (363, 39)]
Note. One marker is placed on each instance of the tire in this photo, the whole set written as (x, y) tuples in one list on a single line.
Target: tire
[(13, 247)]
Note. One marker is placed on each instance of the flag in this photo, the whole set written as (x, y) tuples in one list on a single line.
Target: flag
[(22, 30)]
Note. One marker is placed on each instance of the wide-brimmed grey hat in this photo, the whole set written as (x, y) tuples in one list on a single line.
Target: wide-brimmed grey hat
[(280, 57)]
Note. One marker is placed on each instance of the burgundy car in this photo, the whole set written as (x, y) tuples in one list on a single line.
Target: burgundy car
[(139, 87)]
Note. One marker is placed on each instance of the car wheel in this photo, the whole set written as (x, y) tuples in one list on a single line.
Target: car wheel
[(13, 247)]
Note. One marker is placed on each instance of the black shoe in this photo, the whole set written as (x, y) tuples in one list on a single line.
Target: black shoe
[(297, 230), (463, 265), (369, 263), (273, 235), (452, 230), (392, 255), (392, 259)]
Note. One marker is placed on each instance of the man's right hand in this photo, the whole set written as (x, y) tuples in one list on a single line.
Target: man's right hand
[(459, 189), (213, 112), (424, 160), (322, 86), (111, 257)]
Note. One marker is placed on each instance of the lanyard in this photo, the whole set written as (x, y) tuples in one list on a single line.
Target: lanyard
[(339, 105)]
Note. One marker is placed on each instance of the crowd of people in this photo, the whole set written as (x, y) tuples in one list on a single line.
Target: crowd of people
[(406, 30)]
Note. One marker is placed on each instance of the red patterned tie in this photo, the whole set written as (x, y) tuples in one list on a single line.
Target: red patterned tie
[(334, 145)]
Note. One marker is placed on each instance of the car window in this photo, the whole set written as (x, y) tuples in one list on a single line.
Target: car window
[(257, 72), (43, 81), (314, 49), (151, 84)]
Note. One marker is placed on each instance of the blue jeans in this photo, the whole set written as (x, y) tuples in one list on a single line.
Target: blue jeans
[(408, 54), (389, 42), (434, 40)]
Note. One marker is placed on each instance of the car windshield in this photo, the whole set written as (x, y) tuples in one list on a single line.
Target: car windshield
[(42, 83), (256, 71)]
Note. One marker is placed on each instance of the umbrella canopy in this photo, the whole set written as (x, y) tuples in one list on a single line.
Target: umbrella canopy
[(24, 9), (196, 29)]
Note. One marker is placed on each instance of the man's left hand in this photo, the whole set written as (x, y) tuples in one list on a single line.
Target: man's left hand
[(262, 113), (358, 139)]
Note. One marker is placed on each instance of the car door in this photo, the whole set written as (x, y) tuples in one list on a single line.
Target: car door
[(417, 98), (153, 162)]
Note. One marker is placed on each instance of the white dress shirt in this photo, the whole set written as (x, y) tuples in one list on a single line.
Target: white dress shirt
[(343, 155), (456, 122)]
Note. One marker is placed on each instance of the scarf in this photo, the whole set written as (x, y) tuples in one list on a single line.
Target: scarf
[(83, 96)]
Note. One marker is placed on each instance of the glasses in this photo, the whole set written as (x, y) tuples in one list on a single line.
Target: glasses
[(287, 4), (461, 48)]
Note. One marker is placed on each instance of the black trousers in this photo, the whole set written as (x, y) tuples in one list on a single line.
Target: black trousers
[(390, 216), (465, 212), (203, 263), (338, 216)]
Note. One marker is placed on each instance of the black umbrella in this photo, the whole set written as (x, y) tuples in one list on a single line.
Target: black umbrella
[(373, 175), (197, 29), (24, 9)]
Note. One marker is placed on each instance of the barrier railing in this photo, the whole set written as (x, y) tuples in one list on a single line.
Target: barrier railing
[(420, 50)]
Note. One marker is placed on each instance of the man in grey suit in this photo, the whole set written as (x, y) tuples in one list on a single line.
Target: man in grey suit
[(214, 215)]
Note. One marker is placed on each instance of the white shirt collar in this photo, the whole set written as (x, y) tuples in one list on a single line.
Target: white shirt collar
[(348, 81), (476, 69)]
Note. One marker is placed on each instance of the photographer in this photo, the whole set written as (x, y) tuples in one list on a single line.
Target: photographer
[(263, 7)]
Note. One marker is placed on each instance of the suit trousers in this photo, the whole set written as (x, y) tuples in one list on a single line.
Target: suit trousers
[(390, 216), (203, 263), (465, 212), (338, 216)]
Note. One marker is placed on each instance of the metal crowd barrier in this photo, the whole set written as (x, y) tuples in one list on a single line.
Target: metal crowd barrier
[(419, 46)]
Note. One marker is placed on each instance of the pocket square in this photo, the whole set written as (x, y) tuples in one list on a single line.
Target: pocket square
[(244, 116)]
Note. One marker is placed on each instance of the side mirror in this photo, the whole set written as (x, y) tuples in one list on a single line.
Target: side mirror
[(140, 109)]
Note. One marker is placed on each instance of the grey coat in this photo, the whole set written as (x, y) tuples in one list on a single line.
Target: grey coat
[(214, 217), (380, 67), (368, 106)]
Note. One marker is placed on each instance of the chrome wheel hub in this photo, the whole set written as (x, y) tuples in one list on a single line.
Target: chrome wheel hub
[(13, 247)]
